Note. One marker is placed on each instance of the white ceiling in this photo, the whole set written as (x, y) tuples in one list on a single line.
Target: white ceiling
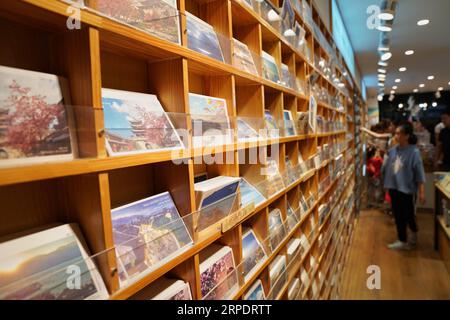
[(431, 44)]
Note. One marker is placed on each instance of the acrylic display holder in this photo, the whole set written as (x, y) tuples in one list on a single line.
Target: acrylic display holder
[(241, 275), (127, 262), (159, 19), (208, 42)]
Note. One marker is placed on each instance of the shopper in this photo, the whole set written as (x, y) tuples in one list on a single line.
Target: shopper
[(404, 177), (443, 144)]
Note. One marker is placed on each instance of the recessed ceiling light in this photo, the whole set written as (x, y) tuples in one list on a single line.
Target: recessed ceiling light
[(380, 97), (434, 104), (440, 88), (380, 76), (423, 22), (394, 87), (382, 70), (386, 56), (392, 91), (386, 16), (400, 105), (398, 80), (409, 52), (421, 85), (416, 90), (380, 84), (384, 28), (449, 83), (402, 69), (384, 64), (430, 78), (425, 105)]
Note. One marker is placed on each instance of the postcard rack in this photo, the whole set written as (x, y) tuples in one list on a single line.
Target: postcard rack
[(105, 51)]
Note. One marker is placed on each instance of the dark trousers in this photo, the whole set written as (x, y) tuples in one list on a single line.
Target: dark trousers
[(404, 213)]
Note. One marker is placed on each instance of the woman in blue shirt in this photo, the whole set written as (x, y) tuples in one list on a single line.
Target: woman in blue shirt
[(404, 178)]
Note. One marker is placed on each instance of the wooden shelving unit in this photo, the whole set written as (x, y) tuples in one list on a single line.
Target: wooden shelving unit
[(106, 53)]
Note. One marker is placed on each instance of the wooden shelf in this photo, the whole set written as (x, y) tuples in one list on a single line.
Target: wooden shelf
[(107, 53)]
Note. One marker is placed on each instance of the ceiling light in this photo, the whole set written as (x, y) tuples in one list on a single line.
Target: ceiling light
[(449, 83), (385, 64), (416, 90), (384, 28), (423, 22), (386, 56), (394, 87), (425, 105), (382, 70), (386, 16), (409, 52), (400, 105), (392, 91), (380, 84), (430, 78), (381, 76), (398, 80), (440, 88), (434, 104), (380, 97), (421, 85), (402, 69)]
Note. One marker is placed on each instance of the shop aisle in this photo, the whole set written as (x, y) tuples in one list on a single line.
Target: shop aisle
[(417, 274)]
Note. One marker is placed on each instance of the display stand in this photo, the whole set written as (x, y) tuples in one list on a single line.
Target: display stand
[(107, 52)]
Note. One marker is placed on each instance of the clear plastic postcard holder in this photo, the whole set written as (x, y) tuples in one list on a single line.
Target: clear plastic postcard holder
[(269, 13), (293, 221), (74, 279), (250, 129), (245, 59), (277, 235), (293, 265), (148, 132), (211, 131), (270, 187), (290, 176), (225, 289), (204, 38), (208, 220), (159, 19), (63, 134)]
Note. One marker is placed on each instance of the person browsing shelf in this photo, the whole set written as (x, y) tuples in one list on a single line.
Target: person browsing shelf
[(404, 178), (443, 144)]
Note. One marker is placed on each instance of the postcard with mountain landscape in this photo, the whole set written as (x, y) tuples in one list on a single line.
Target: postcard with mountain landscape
[(147, 233)]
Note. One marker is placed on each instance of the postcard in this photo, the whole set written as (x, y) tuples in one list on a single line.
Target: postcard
[(270, 68), (159, 18), (287, 19), (253, 254), (243, 59), (246, 132), (271, 125), (210, 122), (136, 123), (275, 182), (218, 277), (277, 228), (38, 267), (37, 124), (256, 292), (292, 218), (289, 123), (312, 114), (202, 38), (165, 289), (277, 276), (146, 234)]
